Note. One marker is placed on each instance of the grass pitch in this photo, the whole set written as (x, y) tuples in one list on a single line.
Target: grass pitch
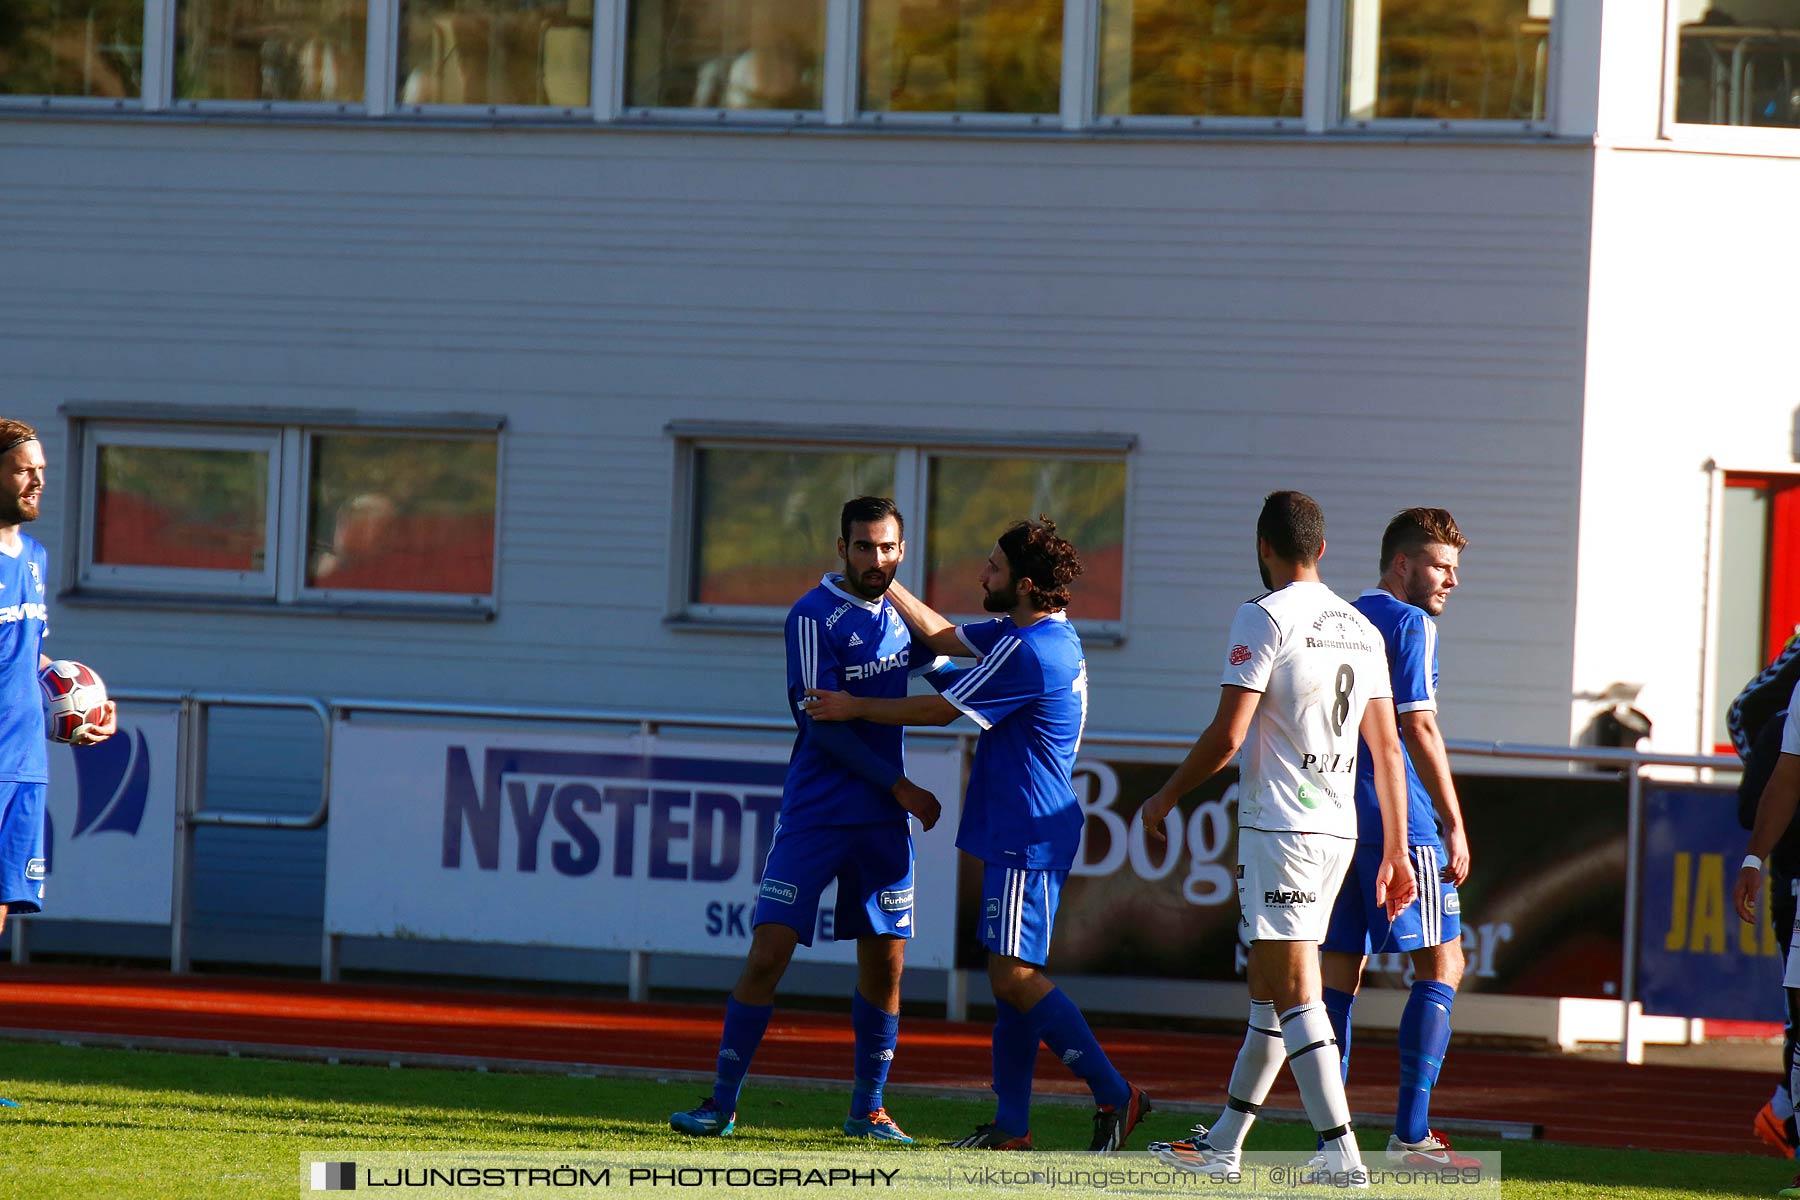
[(104, 1123)]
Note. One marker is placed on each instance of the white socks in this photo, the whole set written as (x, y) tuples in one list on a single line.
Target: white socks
[(1312, 1054), (1251, 1078)]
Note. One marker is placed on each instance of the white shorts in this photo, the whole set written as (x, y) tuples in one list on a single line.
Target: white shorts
[(1288, 882), (1791, 979)]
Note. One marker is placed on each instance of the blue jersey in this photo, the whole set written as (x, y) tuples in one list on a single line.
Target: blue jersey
[(842, 774), (1411, 638), (23, 622), (1029, 695)]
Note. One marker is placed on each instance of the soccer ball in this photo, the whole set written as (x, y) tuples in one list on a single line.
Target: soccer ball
[(74, 698)]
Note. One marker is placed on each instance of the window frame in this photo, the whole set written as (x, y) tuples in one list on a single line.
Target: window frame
[(1343, 122), (1310, 119), (1776, 140), (100, 577), (288, 435), (352, 597), (912, 452), (831, 69), (1720, 478)]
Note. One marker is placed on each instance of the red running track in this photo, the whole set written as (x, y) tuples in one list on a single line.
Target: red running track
[(1574, 1100)]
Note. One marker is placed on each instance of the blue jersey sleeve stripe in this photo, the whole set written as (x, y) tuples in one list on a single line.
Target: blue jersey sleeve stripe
[(972, 713), (1003, 650), (964, 639)]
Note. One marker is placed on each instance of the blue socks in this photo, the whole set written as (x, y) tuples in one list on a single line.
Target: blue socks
[(743, 1033), (1060, 1025), (1337, 1007), (877, 1030), (1424, 1037), (1015, 1059)]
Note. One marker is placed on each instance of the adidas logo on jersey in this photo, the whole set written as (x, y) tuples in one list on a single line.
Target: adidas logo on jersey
[(855, 639)]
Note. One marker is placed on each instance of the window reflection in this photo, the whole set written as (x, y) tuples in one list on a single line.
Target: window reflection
[(1739, 62), (496, 52), (1202, 57), (765, 521), (974, 498), (401, 514), (738, 54), (163, 506), (270, 50), (1446, 60), (71, 47), (983, 56)]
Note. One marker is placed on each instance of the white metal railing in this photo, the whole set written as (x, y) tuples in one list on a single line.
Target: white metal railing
[(195, 709)]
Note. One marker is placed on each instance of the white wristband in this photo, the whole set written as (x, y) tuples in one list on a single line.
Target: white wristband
[(1751, 863)]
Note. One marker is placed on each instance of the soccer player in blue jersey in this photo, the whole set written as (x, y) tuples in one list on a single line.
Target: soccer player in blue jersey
[(24, 760), (843, 816), (1420, 555), (1020, 816)]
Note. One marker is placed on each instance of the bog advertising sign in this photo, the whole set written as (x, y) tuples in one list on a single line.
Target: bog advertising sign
[(605, 842), (1695, 957), (1540, 909), (109, 833)]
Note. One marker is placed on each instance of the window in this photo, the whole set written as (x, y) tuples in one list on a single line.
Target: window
[(758, 519), (1195, 58), (496, 52), (1467, 60), (194, 510), (72, 48), (252, 50), (1758, 599), (394, 513), (289, 514), (726, 54), (1737, 63), (962, 56), (973, 497)]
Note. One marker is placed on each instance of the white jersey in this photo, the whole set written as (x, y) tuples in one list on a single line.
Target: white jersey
[(1318, 662)]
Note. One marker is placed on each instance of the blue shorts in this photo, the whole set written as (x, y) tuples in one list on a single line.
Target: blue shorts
[(22, 865), (873, 866), (1360, 926), (1018, 911)]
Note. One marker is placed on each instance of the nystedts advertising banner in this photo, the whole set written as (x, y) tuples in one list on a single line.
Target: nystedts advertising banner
[(605, 842)]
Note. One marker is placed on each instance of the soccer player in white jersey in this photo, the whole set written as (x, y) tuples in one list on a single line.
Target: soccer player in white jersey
[(1774, 812), (1020, 814), (1304, 673), (1421, 549)]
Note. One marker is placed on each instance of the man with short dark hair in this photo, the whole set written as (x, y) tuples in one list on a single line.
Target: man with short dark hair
[(1420, 556), (1020, 816), (844, 810), (1304, 672)]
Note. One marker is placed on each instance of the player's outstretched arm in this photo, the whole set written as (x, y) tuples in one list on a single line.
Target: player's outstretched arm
[(930, 627), (1425, 742), (1395, 887), (1216, 746), (1774, 811), (824, 705)]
